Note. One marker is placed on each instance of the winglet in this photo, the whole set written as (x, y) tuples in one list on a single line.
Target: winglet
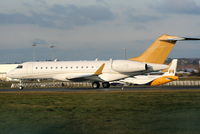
[(99, 71), (171, 71), (166, 69)]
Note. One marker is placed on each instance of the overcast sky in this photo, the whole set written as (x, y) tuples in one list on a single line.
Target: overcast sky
[(89, 29)]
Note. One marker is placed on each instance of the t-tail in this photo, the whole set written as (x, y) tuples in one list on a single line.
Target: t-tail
[(160, 49)]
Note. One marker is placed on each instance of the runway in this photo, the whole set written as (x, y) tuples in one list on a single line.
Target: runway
[(104, 89)]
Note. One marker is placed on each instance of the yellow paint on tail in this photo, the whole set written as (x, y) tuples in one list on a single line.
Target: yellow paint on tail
[(158, 51)]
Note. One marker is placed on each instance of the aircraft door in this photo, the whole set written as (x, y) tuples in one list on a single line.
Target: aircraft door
[(29, 68)]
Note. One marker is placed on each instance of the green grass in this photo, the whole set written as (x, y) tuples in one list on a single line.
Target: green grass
[(135, 112)]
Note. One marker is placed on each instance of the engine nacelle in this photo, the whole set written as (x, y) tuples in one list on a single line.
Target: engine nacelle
[(126, 66)]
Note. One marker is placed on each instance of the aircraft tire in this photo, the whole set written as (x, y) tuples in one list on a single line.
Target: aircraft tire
[(95, 85), (106, 84), (21, 87)]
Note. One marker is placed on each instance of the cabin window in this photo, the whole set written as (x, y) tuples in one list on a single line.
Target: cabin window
[(56, 67), (71, 67), (51, 67), (36, 67), (41, 67), (20, 67), (76, 67), (66, 67), (61, 67), (46, 67), (86, 66), (82, 67)]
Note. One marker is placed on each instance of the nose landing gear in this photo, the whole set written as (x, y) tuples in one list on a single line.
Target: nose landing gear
[(21, 87)]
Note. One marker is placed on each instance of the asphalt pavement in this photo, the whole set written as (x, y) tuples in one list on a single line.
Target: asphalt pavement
[(105, 89)]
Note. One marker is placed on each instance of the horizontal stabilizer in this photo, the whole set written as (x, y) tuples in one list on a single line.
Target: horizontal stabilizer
[(179, 39)]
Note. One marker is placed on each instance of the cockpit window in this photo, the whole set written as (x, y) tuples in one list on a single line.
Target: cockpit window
[(20, 66)]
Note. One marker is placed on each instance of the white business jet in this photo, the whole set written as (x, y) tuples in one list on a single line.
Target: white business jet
[(98, 72)]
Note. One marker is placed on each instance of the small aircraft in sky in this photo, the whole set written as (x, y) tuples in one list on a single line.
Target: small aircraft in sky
[(96, 71)]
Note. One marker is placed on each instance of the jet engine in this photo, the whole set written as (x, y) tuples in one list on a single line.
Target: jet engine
[(126, 66)]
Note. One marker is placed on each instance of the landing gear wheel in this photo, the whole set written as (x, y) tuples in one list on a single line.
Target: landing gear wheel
[(95, 85), (106, 84), (21, 87)]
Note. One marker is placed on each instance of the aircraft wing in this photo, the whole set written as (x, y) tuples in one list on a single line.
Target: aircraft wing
[(81, 76)]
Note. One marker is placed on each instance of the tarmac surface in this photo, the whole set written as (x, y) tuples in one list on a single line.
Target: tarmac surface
[(105, 89)]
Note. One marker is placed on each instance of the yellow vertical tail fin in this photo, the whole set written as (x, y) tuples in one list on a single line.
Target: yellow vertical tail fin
[(158, 51)]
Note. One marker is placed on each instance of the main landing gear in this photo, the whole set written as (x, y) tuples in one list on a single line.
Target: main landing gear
[(105, 84), (96, 85)]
